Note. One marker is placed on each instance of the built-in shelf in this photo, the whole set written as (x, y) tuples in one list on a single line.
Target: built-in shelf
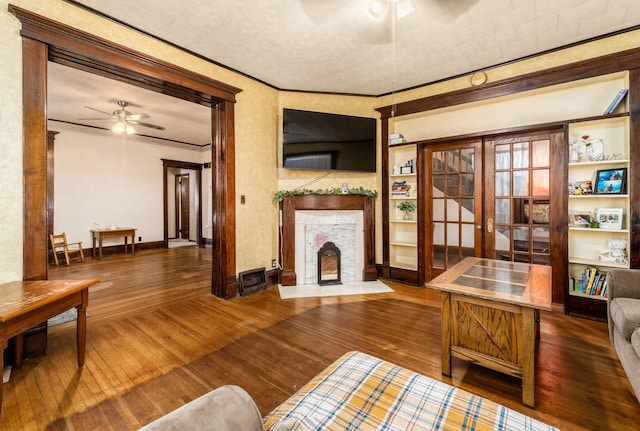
[(598, 196), (404, 244), (584, 295), (585, 244), (600, 162), (597, 262), (403, 234), (598, 230)]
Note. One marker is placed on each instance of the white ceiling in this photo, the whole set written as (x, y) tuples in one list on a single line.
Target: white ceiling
[(335, 46), (71, 90)]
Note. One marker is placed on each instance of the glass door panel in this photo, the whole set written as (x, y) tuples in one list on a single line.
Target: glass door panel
[(517, 206), (453, 227)]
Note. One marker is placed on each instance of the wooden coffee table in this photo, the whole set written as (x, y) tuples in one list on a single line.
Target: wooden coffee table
[(490, 316)]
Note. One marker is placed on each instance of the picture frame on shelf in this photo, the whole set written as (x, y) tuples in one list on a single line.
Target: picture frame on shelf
[(581, 218), (609, 218), (579, 188), (406, 170), (611, 181)]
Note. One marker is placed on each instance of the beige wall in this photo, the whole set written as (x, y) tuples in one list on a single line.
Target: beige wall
[(291, 179), (258, 129)]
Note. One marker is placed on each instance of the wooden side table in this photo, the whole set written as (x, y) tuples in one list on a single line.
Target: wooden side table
[(24, 304)]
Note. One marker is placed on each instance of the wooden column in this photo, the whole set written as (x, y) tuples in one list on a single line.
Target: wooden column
[(34, 88)]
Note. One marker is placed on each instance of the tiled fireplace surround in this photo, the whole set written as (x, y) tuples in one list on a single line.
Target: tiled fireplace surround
[(316, 210)]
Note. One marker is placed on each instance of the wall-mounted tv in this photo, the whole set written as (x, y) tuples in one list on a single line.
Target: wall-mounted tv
[(322, 141)]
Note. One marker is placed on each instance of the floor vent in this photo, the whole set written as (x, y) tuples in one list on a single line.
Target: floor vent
[(253, 281)]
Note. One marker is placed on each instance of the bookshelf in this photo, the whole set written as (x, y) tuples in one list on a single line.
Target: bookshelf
[(403, 187), (599, 208)]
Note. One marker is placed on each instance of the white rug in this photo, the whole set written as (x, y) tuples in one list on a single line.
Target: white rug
[(67, 316), (175, 243), (349, 288)]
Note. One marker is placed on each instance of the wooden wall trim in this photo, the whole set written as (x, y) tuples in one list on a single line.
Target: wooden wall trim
[(602, 65), (35, 241), (634, 163), (67, 41), (225, 282)]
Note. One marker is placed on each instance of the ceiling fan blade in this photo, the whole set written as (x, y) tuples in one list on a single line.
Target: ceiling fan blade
[(98, 119), (136, 117), (103, 112), (152, 126)]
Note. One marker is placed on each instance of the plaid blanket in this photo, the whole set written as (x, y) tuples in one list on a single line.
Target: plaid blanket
[(360, 392)]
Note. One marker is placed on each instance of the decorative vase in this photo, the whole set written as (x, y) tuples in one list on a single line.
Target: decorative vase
[(407, 215)]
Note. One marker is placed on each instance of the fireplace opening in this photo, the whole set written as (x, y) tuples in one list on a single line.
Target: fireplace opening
[(329, 264)]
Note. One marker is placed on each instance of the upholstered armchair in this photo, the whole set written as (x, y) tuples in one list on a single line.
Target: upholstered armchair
[(623, 313)]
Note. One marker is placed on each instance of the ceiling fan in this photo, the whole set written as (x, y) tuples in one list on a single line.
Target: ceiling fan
[(124, 119)]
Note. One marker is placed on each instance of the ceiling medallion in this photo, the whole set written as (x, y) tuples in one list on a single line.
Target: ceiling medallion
[(478, 78)]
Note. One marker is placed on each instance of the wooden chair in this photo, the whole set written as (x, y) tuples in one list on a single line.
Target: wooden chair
[(59, 244)]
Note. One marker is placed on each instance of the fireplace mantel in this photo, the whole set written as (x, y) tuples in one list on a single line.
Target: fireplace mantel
[(291, 204)]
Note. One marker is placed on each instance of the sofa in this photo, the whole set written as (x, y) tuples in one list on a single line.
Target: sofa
[(356, 392), (623, 314)]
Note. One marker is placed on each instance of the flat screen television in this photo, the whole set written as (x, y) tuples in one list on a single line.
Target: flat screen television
[(326, 142)]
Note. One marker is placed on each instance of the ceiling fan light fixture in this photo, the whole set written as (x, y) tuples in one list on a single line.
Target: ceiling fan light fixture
[(377, 8), (404, 8), (122, 127)]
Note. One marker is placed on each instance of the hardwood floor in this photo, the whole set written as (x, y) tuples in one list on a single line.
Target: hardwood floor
[(156, 339)]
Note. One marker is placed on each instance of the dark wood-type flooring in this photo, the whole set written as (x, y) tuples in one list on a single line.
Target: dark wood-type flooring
[(156, 339)]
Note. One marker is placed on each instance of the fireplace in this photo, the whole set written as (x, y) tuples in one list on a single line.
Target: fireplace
[(329, 264), (357, 230)]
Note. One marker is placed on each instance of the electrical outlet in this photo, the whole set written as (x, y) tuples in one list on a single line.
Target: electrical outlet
[(139, 238), (273, 263)]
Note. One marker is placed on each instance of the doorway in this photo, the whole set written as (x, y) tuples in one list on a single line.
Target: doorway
[(492, 197), (60, 43), (183, 203)]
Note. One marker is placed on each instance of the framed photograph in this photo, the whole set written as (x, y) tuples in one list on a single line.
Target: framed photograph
[(406, 170), (581, 218), (538, 212), (580, 188), (611, 181), (609, 218)]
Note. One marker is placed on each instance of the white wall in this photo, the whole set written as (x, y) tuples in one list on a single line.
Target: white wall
[(102, 179)]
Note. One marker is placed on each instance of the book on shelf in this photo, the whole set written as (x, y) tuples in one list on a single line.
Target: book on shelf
[(591, 282), (616, 101), (396, 138), (400, 189)]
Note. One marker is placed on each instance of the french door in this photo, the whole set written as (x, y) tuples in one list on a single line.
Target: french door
[(498, 197), (453, 186)]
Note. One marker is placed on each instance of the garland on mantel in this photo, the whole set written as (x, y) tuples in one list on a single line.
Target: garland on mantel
[(280, 194)]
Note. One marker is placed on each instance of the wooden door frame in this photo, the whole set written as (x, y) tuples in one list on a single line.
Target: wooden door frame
[(46, 40), (197, 167)]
